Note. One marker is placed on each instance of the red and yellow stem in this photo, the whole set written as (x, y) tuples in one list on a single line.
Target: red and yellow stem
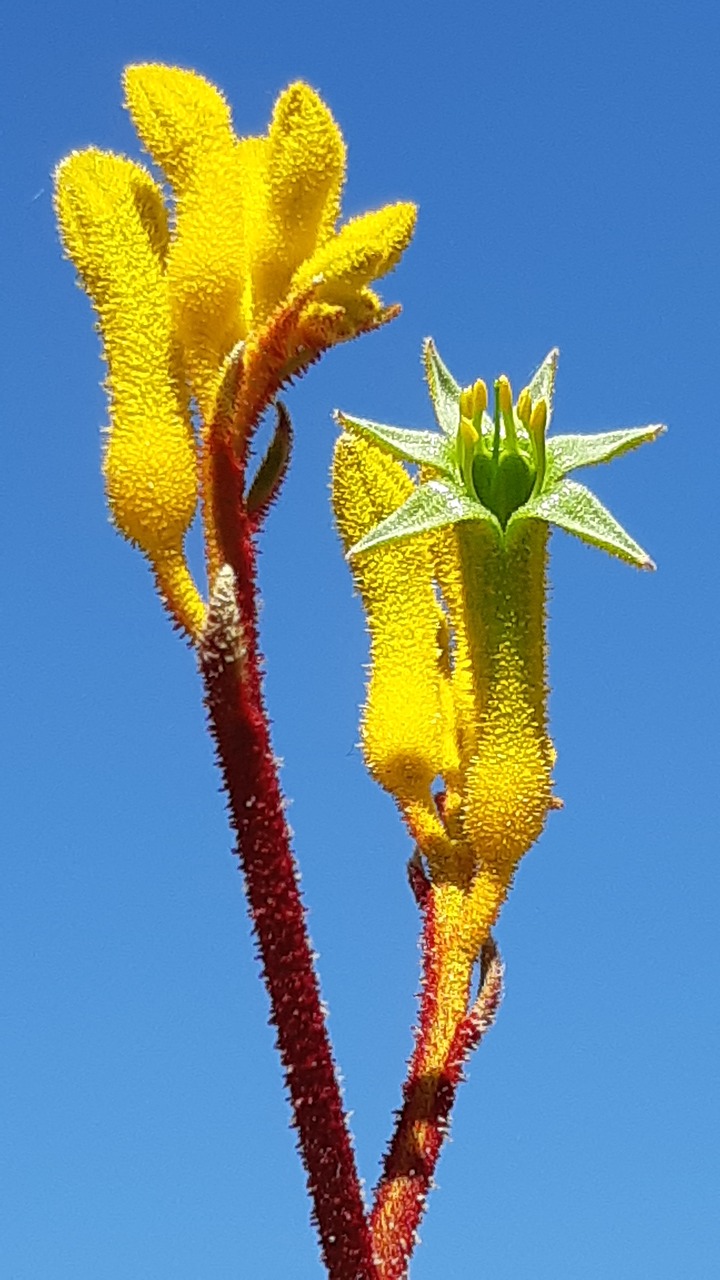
[(231, 668), (448, 1030), (497, 808)]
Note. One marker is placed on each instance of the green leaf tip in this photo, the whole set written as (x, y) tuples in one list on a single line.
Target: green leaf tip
[(444, 390), (426, 448), (569, 453), (570, 506), (273, 468)]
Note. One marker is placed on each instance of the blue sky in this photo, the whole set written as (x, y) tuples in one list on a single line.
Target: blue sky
[(564, 159)]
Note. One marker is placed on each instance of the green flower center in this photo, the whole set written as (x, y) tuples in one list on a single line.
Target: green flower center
[(502, 459)]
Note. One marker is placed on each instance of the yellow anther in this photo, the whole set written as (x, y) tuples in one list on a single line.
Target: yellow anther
[(524, 406), (466, 401), (479, 398), (503, 392), (538, 418), (474, 400), (468, 434)]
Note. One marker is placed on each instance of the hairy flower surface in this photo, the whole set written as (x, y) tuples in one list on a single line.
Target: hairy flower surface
[(241, 283), (451, 567)]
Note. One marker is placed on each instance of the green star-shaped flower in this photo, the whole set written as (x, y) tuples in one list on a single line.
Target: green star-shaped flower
[(500, 469)]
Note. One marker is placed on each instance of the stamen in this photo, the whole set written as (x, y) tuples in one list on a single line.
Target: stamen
[(524, 406), (480, 400), (466, 402), (473, 402), (536, 429), (467, 440), (503, 392), (538, 417), (468, 434), (497, 419)]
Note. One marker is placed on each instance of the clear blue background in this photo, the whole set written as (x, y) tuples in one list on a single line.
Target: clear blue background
[(564, 158)]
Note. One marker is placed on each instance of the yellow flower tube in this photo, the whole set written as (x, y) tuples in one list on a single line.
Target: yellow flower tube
[(403, 728), (114, 227), (507, 779)]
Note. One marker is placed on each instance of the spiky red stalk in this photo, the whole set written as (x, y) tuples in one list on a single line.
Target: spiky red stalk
[(428, 1098), (231, 667)]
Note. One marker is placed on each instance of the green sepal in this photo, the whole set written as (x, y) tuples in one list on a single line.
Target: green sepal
[(424, 447), (567, 453), (432, 505), (542, 383), (444, 390), (570, 506), (272, 470)]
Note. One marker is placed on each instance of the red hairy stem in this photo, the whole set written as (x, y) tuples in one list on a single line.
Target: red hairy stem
[(231, 667), (428, 1098)]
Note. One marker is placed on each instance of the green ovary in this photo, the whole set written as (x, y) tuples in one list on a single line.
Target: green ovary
[(504, 486)]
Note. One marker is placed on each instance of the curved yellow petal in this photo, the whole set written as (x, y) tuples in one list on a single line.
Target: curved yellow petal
[(205, 272), (185, 124), (325, 324), (252, 160), (89, 186), (114, 227), (403, 738), (179, 116), (304, 177), (220, 221), (363, 250)]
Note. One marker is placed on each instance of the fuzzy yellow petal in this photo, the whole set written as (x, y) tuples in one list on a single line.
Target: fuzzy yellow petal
[(363, 250), (304, 176), (208, 282), (179, 117), (484, 901), (402, 725), (251, 159), (325, 324), (185, 124), (114, 228)]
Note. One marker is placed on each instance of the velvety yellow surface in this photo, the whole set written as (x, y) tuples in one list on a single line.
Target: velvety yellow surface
[(456, 701), (256, 217), (403, 723), (114, 226), (249, 253)]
